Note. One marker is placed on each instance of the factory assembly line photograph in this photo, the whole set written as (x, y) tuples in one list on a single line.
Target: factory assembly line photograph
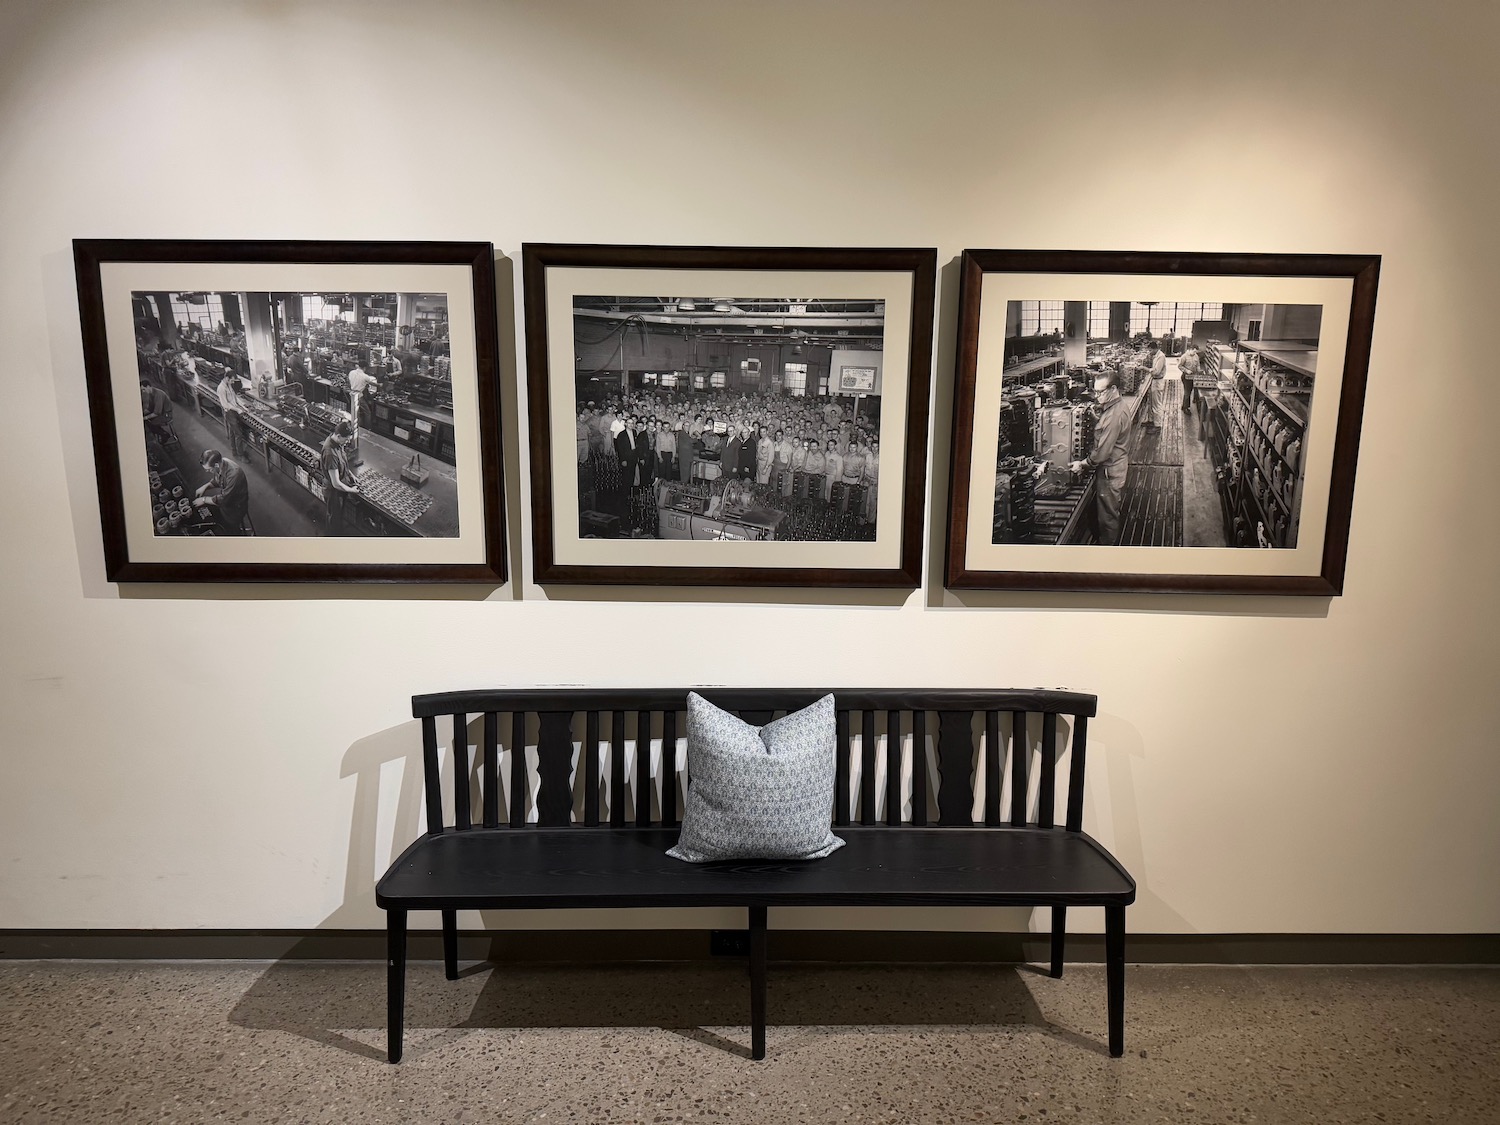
[(1165, 424), (297, 414)]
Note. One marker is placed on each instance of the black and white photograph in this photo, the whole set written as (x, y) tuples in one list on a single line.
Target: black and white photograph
[(1161, 423), (730, 416), (711, 418), (1153, 421), (297, 414), (294, 410)]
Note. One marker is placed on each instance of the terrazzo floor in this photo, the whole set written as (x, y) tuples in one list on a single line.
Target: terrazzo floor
[(665, 1042)]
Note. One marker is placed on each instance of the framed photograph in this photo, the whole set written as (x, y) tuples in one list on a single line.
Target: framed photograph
[(1157, 422), (738, 417), (294, 411)]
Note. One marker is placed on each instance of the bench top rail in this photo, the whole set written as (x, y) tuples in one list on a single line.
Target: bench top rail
[(1037, 700), (883, 734)]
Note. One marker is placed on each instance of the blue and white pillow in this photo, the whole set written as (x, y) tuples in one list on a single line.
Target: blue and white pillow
[(759, 792)]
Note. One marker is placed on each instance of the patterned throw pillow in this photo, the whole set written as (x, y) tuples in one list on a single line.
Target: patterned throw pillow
[(758, 792)]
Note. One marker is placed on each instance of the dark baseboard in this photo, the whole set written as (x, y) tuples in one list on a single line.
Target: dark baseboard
[(597, 946)]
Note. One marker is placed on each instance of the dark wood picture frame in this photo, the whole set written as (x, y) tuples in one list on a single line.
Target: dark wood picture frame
[(91, 254), (1362, 270), (921, 264)]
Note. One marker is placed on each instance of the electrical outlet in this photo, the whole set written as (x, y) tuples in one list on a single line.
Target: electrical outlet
[(729, 943)]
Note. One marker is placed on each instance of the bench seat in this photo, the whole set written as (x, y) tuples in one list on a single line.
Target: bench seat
[(506, 868)]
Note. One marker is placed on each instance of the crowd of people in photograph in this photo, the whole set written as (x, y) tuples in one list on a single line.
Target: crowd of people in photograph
[(809, 457)]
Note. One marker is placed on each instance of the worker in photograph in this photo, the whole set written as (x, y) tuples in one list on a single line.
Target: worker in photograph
[(1188, 367), (666, 449), (585, 428), (187, 363), (605, 425), (1109, 459), (765, 454), (812, 471), (629, 451), (833, 470), (853, 476), (227, 493), (747, 452), (339, 483), (731, 452), (645, 441), (361, 383), (1154, 372), (229, 402), (784, 452), (295, 367), (712, 453), (156, 410), (687, 437)]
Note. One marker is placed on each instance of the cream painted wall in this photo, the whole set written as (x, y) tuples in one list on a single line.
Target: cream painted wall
[(1267, 765)]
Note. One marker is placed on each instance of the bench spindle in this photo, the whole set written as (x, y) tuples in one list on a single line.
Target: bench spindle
[(491, 783), (992, 775), (841, 771), (669, 769), (919, 768), (867, 768), (955, 768), (1077, 756), (893, 768), (591, 769), (1020, 750), (431, 776), (462, 799), (643, 767), (617, 769), (1047, 797), (554, 749), (518, 785)]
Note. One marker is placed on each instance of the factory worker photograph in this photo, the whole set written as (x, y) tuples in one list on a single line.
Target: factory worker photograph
[(1109, 459)]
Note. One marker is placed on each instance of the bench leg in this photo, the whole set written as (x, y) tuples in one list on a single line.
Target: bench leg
[(395, 979), (1114, 964), (1059, 934), (450, 943), (757, 982)]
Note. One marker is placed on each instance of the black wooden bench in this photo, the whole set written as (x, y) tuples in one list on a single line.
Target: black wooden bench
[(579, 854)]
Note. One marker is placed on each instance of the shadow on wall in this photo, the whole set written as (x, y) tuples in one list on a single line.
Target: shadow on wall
[(1119, 810), (684, 997)]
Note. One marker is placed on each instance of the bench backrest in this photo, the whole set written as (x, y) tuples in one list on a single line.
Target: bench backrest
[(965, 720)]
